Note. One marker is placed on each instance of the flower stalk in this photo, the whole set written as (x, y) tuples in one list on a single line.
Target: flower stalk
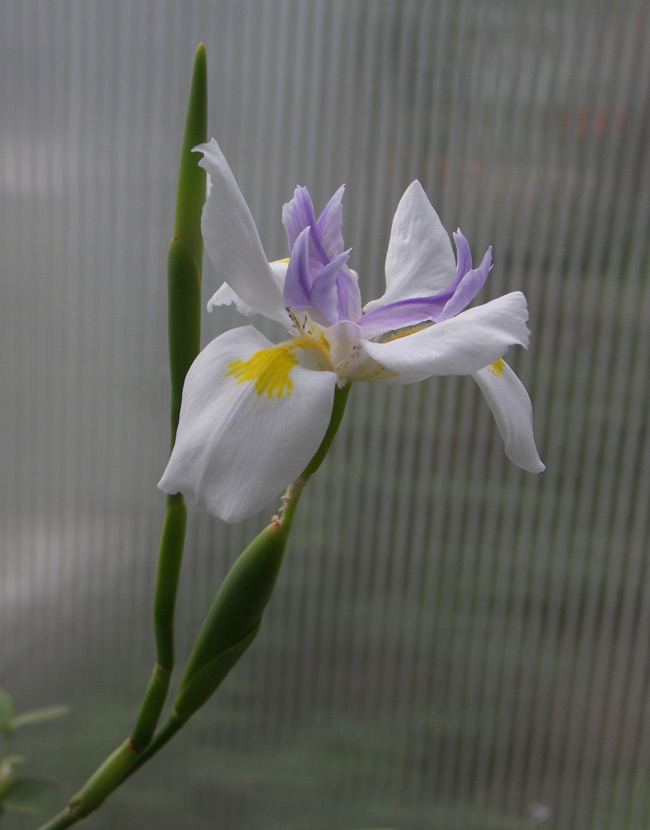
[(293, 492)]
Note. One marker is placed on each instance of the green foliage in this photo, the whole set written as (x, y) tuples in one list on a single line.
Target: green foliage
[(42, 715), (19, 793)]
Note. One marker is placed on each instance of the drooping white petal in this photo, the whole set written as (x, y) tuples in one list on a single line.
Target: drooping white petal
[(513, 412), (473, 339), (237, 448), (232, 241), (420, 261)]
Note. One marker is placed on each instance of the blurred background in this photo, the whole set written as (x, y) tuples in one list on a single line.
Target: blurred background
[(453, 643)]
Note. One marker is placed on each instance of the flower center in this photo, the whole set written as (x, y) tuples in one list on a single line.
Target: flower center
[(270, 369)]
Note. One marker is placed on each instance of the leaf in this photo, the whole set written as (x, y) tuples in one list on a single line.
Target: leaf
[(31, 795), (42, 715), (6, 711)]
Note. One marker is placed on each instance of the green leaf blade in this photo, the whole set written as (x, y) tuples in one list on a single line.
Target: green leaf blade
[(41, 715)]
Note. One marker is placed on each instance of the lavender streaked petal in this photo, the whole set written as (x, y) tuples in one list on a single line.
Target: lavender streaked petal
[(329, 225), (298, 214), (469, 286), (349, 296), (399, 315), (324, 296), (298, 282), (463, 256)]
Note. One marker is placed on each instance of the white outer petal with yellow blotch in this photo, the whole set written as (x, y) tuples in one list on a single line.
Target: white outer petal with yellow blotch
[(245, 433)]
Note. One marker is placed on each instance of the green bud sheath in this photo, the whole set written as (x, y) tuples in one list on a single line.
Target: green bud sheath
[(190, 195), (198, 688), (233, 620), (185, 258)]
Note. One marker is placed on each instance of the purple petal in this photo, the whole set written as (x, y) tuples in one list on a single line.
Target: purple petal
[(399, 315), (463, 256), (298, 281), (411, 312), (349, 296), (324, 296), (298, 214), (468, 287), (329, 225)]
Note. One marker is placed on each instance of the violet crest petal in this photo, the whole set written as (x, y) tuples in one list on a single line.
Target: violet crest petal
[(468, 287), (324, 294), (349, 296), (298, 214), (329, 225), (298, 281), (463, 254), (400, 315)]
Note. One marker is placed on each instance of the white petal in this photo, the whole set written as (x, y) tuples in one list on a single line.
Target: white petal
[(236, 449), (420, 261), (226, 296), (464, 344), (232, 241), (513, 412), (279, 269)]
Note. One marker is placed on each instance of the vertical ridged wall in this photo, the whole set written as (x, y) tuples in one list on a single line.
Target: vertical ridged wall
[(453, 643)]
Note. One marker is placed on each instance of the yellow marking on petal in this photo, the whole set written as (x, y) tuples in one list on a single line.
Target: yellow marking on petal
[(280, 261), (270, 369), (497, 368), (397, 334)]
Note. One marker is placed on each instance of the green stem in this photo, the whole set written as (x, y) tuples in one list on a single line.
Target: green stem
[(294, 490), (163, 736), (104, 780), (59, 821), (169, 563)]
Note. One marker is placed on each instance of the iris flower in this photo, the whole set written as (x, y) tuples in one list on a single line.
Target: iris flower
[(254, 413)]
